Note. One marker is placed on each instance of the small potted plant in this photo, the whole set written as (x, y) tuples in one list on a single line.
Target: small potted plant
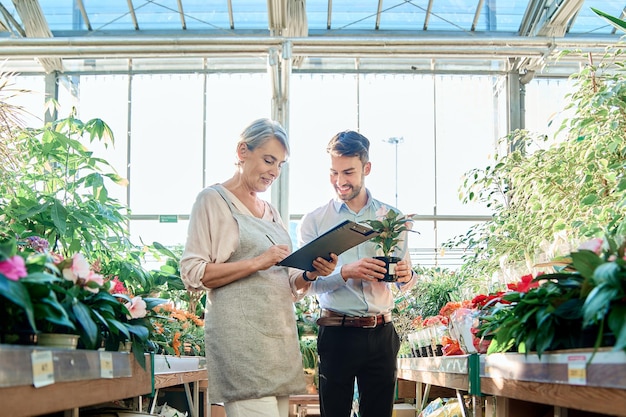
[(391, 227)]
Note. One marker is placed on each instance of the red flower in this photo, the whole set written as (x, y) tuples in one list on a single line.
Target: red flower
[(525, 284), (482, 300), (117, 286)]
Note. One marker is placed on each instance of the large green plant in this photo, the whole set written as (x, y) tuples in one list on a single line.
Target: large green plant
[(59, 190), (572, 189)]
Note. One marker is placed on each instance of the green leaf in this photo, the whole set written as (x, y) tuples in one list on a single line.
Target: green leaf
[(585, 262), (597, 304), (617, 324), (614, 21), (16, 293), (59, 217), (88, 328), (589, 200), (609, 274)]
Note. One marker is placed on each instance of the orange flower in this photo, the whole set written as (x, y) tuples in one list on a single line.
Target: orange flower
[(417, 322), (176, 343)]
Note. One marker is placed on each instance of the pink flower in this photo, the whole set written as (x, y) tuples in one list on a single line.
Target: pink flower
[(594, 245), (137, 308), (381, 213), (13, 268), (93, 277), (78, 269)]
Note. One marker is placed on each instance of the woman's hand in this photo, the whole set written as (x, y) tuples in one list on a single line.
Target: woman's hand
[(272, 256)]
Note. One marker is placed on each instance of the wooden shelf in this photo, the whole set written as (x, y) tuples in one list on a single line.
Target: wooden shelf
[(576, 380), (179, 378), (78, 381)]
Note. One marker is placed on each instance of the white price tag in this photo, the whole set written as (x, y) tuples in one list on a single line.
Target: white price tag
[(106, 365), (43, 368), (577, 369)]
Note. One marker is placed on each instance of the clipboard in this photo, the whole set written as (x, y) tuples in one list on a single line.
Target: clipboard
[(337, 240)]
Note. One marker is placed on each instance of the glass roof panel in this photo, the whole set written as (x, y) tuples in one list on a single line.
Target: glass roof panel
[(161, 15), (59, 15), (502, 16), (397, 15), (105, 16), (208, 14), (587, 22), (452, 15), (403, 16), (348, 14), (250, 14)]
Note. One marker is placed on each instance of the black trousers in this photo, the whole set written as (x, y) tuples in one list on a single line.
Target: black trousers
[(370, 356)]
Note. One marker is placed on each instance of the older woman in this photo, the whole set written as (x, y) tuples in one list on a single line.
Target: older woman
[(233, 244)]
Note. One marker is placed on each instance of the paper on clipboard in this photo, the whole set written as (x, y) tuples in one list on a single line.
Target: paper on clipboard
[(337, 240)]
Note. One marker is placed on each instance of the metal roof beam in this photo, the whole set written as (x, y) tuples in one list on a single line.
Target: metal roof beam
[(231, 19), (11, 21), (181, 12), (531, 16), (479, 8), (379, 11), (554, 20), (36, 26), (83, 13), (429, 10), (388, 47), (133, 16)]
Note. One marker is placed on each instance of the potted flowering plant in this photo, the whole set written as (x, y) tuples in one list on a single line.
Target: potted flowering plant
[(45, 293), (582, 304), (391, 227)]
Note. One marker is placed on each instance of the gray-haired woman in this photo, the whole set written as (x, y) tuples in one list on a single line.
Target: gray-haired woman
[(233, 243)]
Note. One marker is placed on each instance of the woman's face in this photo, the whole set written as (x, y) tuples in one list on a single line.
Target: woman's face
[(261, 166)]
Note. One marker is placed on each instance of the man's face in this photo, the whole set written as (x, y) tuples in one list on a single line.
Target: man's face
[(347, 176)]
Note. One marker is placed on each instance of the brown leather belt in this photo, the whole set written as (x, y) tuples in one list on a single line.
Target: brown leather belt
[(331, 318)]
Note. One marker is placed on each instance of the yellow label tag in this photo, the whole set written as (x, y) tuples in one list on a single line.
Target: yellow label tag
[(577, 369), (106, 365), (43, 368)]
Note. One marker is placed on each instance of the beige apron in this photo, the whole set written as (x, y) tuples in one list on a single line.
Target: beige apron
[(250, 329)]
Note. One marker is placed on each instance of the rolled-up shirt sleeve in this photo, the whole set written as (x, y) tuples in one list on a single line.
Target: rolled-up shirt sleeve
[(212, 236)]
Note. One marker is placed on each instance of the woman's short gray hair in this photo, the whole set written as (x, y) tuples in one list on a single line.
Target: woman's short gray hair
[(260, 131)]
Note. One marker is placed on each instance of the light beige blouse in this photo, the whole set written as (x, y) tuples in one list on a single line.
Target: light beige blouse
[(213, 236)]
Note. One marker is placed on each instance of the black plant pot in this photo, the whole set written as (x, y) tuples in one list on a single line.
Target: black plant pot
[(390, 265)]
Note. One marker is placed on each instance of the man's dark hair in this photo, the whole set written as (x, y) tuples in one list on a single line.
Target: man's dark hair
[(349, 143)]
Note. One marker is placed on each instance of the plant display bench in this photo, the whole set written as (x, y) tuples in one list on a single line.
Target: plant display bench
[(304, 405), (450, 372), (172, 371), (36, 381), (572, 382)]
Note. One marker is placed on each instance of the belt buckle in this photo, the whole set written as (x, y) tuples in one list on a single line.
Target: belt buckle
[(374, 322)]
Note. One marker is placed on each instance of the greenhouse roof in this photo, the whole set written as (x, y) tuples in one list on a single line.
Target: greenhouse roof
[(501, 34)]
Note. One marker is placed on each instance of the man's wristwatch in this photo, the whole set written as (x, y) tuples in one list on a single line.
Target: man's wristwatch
[(307, 279)]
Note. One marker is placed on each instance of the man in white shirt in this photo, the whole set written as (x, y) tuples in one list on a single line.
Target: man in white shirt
[(356, 338)]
